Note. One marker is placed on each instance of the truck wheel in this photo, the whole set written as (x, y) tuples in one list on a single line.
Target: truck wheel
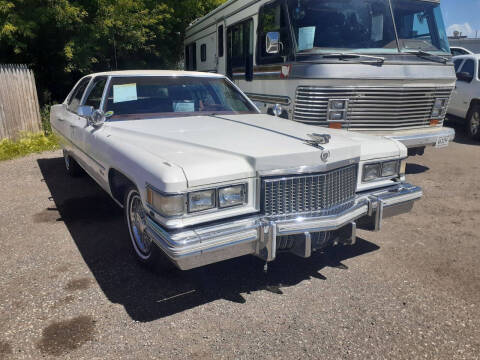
[(71, 165), (473, 122), (145, 250)]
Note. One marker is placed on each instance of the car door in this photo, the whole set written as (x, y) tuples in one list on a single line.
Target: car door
[(465, 89), (88, 135), (72, 122)]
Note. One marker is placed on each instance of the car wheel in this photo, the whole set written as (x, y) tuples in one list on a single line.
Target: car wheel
[(71, 165), (473, 123), (144, 248)]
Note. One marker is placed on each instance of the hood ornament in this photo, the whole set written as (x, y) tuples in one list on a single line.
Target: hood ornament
[(318, 139)]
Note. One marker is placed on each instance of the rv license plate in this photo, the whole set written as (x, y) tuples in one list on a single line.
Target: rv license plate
[(442, 141)]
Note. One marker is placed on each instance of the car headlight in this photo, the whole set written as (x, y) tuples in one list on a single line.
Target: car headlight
[(231, 196), (390, 168), (383, 170), (371, 172), (201, 200), (166, 205)]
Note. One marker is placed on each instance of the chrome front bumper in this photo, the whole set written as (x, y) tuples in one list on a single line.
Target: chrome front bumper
[(258, 235), (423, 137)]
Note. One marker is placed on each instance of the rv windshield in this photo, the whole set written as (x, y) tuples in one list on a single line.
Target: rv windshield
[(366, 26), (420, 26)]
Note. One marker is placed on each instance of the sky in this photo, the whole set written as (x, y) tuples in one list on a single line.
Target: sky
[(462, 15)]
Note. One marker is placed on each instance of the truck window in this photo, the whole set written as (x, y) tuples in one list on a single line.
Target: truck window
[(239, 46), (272, 18), (220, 41), (469, 67), (457, 64)]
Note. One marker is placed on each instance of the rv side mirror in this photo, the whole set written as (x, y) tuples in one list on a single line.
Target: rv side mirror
[(272, 44), (465, 76)]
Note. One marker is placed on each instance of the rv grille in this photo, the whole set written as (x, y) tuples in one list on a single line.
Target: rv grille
[(309, 193), (371, 108)]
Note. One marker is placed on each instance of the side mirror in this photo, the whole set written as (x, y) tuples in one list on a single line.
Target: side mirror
[(465, 76), (97, 118), (272, 44), (85, 111)]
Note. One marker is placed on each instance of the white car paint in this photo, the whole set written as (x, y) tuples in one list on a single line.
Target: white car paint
[(180, 154), (465, 92)]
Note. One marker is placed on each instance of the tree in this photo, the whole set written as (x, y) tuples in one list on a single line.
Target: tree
[(65, 39)]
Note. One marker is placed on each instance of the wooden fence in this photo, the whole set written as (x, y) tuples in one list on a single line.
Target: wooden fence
[(19, 109)]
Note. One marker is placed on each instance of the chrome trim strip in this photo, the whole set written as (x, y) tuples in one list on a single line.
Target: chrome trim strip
[(309, 168), (270, 99)]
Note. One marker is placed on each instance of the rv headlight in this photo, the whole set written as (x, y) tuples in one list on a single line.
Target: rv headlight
[(166, 205), (337, 109), (436, 113), (440, 103), (201, 200), (338, 104), (231, 196)]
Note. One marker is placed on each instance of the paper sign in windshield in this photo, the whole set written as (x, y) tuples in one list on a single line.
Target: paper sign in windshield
[(184, 106), (306, 36), (125, 92)]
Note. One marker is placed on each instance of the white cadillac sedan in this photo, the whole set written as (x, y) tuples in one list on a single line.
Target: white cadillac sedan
[(203, 176)]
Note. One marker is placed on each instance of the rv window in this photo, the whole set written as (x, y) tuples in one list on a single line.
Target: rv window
[(191, 57), (272, 18), (220, 41), (203, 52), (239, 44)]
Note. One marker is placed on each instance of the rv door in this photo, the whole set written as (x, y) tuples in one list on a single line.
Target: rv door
[(240, 51)]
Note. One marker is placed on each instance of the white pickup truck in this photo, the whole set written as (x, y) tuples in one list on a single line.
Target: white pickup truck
[(465, 101), (203, 176)]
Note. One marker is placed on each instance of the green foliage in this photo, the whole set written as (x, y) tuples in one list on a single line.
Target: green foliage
[(65, 39), (28, 143), (45, 116)]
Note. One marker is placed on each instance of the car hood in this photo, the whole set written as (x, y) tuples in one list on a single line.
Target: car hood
[(219, 148)]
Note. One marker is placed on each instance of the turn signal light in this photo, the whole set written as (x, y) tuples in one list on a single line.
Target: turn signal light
[(335, 125), (434, 122)]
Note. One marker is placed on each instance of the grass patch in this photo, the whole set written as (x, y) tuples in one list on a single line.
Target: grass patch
[(31, 143), (27, 144)]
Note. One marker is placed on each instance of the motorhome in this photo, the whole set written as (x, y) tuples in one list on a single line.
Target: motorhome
[(377, 66)]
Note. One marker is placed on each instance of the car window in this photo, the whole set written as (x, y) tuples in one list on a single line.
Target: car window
[(469, 67), (94, 97), (457, 64), (76, 97)]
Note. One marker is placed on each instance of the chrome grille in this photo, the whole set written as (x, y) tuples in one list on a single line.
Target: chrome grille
[(371, 108), (308, 193)]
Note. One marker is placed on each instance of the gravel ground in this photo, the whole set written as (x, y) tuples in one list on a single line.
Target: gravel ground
[(70, 287)]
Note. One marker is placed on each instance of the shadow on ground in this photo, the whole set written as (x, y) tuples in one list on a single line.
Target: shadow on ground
[(97, 227)]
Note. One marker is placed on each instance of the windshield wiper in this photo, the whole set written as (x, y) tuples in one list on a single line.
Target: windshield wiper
[(426, 54), (345, 56)]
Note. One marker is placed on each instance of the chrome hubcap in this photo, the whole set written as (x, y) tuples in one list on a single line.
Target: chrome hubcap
[(138, 224), (475, 123)]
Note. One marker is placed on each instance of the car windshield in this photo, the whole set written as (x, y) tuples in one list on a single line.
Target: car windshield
[(168, 96), (366, 26)]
